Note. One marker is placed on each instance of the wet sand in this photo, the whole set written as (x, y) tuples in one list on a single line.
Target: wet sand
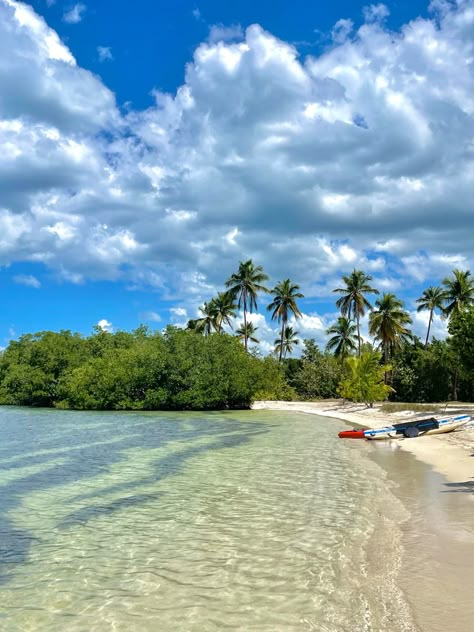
[(436, 573)]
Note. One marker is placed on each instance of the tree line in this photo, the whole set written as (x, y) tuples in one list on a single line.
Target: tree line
[(388, 319), (395, 364), (138, 370), (243, 288), (203, 367)]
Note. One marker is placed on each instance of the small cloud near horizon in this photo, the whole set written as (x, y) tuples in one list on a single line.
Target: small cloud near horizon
[(27, 279), (105, 325), (75, 14)]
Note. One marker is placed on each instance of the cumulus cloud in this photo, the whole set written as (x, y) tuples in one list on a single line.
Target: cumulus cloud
[(104, 53), (360, 157), (75, 14), (27, 279), (419, 326), (341, 30), (179, 315), (375, 12), (105, 325)]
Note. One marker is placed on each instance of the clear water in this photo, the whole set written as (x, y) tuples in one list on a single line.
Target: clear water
[(194, 522)]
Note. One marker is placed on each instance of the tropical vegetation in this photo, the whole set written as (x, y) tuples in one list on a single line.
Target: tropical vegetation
[(282, 307), (211, 364), (244, 285), (353, 302)]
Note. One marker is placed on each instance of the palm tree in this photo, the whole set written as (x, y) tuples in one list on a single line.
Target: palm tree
[(207, 322), (433, 298), (459, 294), (284, 304), (343, 342), (224, 309), (192, 325), (245, 284), (248, 332), (353, 302), (459, 291), (285, 343), (387, 323)]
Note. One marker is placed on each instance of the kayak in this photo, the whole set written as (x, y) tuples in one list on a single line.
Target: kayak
[(409, 429), (352, 434)]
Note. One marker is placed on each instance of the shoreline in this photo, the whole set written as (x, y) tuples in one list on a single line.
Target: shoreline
[(450, 454)]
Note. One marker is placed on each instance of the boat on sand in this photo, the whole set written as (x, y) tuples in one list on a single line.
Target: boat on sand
[(409, 429)]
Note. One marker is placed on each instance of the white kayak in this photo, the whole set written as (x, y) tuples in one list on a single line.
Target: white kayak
[(418, 429)]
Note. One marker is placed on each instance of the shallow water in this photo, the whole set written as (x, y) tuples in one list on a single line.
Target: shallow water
[(194, 522)]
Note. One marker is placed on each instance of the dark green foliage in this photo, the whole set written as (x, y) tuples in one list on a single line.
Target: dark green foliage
[(271, 381), (461, 328), (31, 367), (139, 370), (318, 375), (427, 374)]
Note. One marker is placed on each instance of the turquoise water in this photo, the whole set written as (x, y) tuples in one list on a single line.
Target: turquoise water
[(238, 521)]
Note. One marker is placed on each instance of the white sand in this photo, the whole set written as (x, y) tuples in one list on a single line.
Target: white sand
[(451, 454)]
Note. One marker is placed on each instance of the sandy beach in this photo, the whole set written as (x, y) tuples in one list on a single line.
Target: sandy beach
[(451, 454)]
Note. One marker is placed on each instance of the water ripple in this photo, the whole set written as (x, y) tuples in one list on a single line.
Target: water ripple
[(194, 523)]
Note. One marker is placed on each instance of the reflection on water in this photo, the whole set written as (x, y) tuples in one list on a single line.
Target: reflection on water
[(245, 521)]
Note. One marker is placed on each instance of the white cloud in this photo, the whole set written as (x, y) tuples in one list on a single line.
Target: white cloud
[(105, 325), (360, 157), (341, 30), (375, 12), (231, 235), (438, 329), (104, 53), (75, 14), (221, 33), (27, 279), (179, 315), (179, 311)]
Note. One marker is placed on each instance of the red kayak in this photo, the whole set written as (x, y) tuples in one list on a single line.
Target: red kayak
[(352, 434)]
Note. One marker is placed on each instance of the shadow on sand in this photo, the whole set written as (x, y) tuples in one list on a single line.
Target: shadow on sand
[(463, 486)]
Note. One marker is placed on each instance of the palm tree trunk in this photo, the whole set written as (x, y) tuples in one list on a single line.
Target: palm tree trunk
[(358, 333), (429, 327), (283, 324), (385, 361), (245, 320)]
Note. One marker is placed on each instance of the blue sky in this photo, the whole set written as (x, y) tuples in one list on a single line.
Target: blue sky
[(152, 45), (147, 148)]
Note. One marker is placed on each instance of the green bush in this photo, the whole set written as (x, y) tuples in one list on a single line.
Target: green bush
[(140, 370), (318, 375), (364, 380)]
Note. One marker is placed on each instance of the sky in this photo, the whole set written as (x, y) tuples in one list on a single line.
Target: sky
[(147, 148)]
